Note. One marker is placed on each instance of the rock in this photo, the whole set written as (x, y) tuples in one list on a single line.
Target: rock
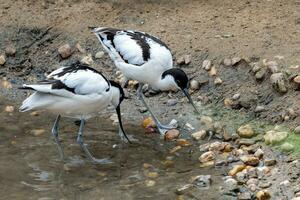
[(35, 113), (217, 146), (230, 184), (150, 183), (228, 148), (183, 189), (273, 137), (2, 60), (226, 135), (168, 163), (183, 142), (152, 175), (199, 135), (259, 109), (272, 66), (207, 164), (244, 196), (5, 84), (171, 134), (79, 48), (148, 122), (245, 131), (175, 149), (285, 183), (287, 147), (260, 74), (228, 102), (236, 169), (147, 166), (297, 80), (187, 59), (278, 82), (10, 50), (65, 51), (87, 59), (235, 60), (9, 109), (189, 126), (201, 180), (218, 81), (263, 195), (252, 181), (213, 71), (227, 62), (241, 177), (255, 67), (180, 60), (246, 142), (270, 162), (259, 153), (37, 132), (264, 184), (206, 64), (194, 85), (172, 102), (236, 96), (250, 160), (207, 156), (297, 130), (204, 147), (99, 54), (207, 121)]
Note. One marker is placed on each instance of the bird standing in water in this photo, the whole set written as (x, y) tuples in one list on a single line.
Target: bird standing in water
[(75, 91), (145, 58)]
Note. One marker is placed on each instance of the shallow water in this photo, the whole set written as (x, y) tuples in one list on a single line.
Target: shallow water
[(30, 167)]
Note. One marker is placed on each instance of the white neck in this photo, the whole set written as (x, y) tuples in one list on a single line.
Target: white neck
[(115, 94), (166, 84)]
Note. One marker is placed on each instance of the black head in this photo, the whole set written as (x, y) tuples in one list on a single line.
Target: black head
[(179, 76)]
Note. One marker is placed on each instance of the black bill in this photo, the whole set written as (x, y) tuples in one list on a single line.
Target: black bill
[(186, 93)]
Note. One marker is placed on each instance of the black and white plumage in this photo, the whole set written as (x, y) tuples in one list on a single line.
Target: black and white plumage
[(144, 58), (75, 91)]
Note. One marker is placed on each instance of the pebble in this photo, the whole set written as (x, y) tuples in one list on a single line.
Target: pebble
[(207, 164), (252, 181), (99, 54), (201, 180), (35, 113), (236, 169), (213, 71), (297, 79), (235, 60), (270, 162), (207, 121), (37, 132), (10, 50), (147, 166), (183, 143), (297, 130), (246, 142), (273, 137), (264, 184), (259, 153), (207, 156), (217, 146), (152, 175), (245, 131), (189, 126), (180, 60), (150, 183), (5, 84), (206, 64), (244, 196), (79, 48), (199, 135), (241, 177), (65, 51), (87, 59), (172, 102), (228, 102), (172, 134), (259, 109), (263, 195), (260, 74), (194, 85), (236, 96), (218, 81), (255, 67), (227, 62), (230, 184), (2, 60), (204, 147), (287, 147), (175, 149), (9, 109), (278, 82), (183, 189), (148, 122), (187, 59), (250, 160)]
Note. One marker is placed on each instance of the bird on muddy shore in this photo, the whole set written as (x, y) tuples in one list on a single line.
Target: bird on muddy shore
[(145, 58), (76, 91)]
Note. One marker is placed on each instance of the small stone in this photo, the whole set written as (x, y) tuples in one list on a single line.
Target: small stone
[(213, 71), (278, 82), (2, 60), (189, 126), (255, 67), (273, 137), (187, 59), (241, 177), (150, 183), (218, 81), (175, 149), (285, 183), (252, 181), (226, 135), (204, 147), (287, 147), (272, 66), (265, 184), (180, 60), (147, 166), (236, 96), (228, 102), (228, 148), (207, 156), (194, 85), (171, 134), (259, 153), (10, 50), (230, 184), (246, 142), (9, 109), (207, 164), (250, 160), (244, 196), (152, 175), (199, 135), (37, 132), (236, 169), (87, 59), (235, 60), (148, 122), (65, 51), (173, 123), (227, 62), (217, 146), (259, 109), (79, 48), (201, 180), (297, 79), (263, 195), (206, 65), (99, 54), (132, 83), (168, 163), (183, 142), (184, 189), (35, 113), (297, 130), (207, 121), (172, 102), (245, 131), (261, 73), (270, 162)]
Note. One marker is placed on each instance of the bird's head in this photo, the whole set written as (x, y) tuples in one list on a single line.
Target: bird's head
[(177, 78)]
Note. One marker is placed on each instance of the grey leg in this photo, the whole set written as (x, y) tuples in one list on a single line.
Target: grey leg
[(55, 135), (85, 149), (161, 128)]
